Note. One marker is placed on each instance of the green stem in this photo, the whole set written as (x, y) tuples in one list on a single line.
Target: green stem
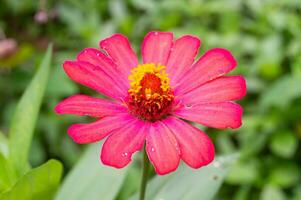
[(144, 175)]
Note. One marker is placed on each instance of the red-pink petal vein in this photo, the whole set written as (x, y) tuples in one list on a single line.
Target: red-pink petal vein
[(86, 105), (119, 49), (121, 144), (216, 115), (182, 56), (156, 47), (221, 89), (162, 148), (196, 147), (94, 77), (99, 59), (93, 132), (213, 64)]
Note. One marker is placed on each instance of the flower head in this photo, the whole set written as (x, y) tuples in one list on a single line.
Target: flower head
[(150, 101), (150, 96)]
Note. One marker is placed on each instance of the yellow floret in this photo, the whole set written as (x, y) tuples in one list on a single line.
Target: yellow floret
[(138, 73)]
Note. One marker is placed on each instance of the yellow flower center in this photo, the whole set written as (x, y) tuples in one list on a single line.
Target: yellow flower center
[(150, 95)]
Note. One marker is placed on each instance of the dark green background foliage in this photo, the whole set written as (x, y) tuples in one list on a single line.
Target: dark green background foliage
[(264, 36)]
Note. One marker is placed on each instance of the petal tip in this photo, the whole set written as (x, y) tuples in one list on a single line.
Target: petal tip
[(58, 109), (239, 114), (194, 38), (243, 83), (106, 161), (115, 36), (162, 172), (227, 54)]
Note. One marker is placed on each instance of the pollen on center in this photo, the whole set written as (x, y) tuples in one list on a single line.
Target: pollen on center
[(150, 95)]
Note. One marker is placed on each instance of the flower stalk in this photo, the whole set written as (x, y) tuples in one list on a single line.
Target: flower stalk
[(145, 170)]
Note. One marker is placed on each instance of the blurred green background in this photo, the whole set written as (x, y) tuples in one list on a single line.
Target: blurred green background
[(263, 35)]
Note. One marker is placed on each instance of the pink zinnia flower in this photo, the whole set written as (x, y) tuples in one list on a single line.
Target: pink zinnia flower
[(153, 101)]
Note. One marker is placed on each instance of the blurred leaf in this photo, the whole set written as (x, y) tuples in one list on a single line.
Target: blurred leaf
[(282, 92), (253, 143), (91, 180), (36, 153), (296, 65), (225, 144), (230, 22), (81, 23), (269, 56), (131, 183), (244, 172), (118, 10), (242, 193), (3, 145), (297, 192), (24, 52), (284, 175), (284, 144), (24, 119), (144, 4), (23, 6), (189, 184), (39, 183), (7, 174), (57, 79), (273, 193)]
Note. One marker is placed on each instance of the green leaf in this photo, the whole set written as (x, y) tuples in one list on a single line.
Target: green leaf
[(244, 172), (24, 119), (38, 183), (281, 93), (189, 184), (57, 79), (270, 192), (284, 174), (131, 184), (284, 144), (91, 180), (7, 175), (3, 145)]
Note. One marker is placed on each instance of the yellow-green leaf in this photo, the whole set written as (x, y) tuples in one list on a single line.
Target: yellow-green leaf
[(24, 118)]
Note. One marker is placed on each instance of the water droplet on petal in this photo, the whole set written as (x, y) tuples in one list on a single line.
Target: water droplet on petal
[(220, 71), (177, 147), (124, 154), (188, 105), (156, 33), (153, 149)]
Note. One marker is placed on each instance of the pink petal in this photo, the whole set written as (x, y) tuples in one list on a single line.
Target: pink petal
[(93, 132), (213, 64), (99, 59), (119, 49), (196, 147), (162, 148), (216, 115), (118, 148), (156, 47), (182, 56), (221, 89), (94, 77), (86, 105)]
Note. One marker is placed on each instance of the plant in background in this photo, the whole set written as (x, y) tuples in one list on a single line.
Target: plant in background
[(150, 101), (18, 178)]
